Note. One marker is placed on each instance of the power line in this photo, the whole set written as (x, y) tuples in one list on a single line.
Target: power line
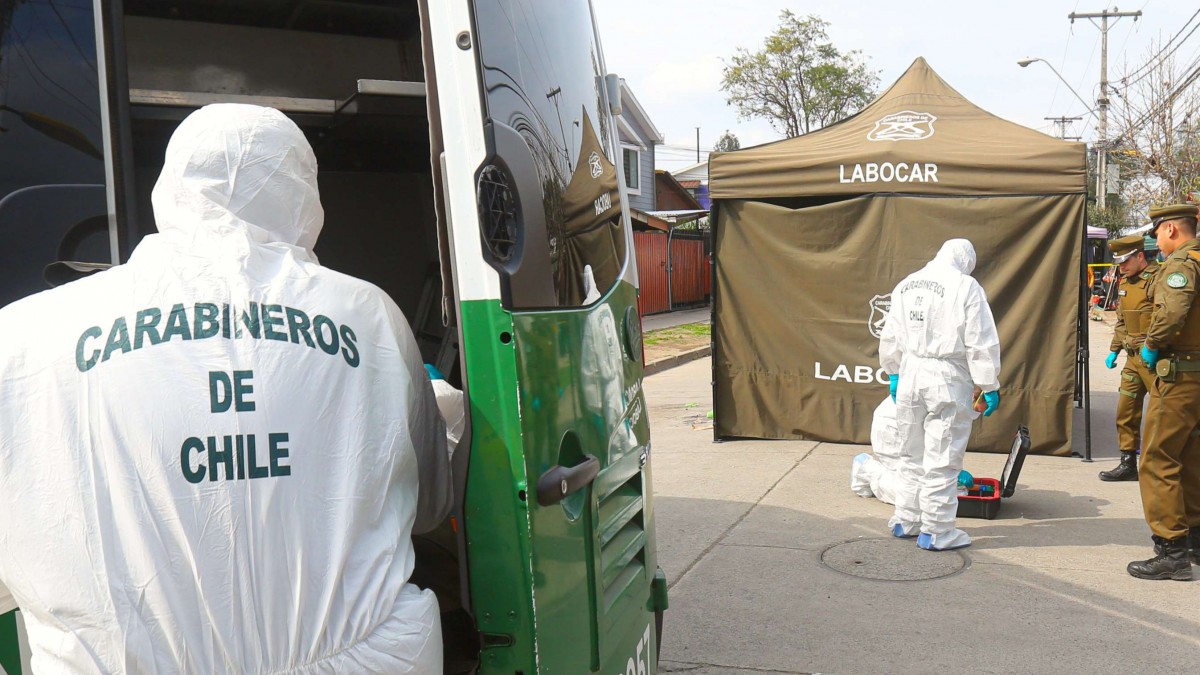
[(1148, 67), (79, 105), (1061, 123), (1190, 74), (1169, 100), (1132, 29), (681, 148), (1062, 65), (1102, 100)]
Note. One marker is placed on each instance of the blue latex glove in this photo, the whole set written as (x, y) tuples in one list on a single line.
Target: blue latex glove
[(1150, 356), (893, 380), (993, 402), (1111, 361), (434, 373)]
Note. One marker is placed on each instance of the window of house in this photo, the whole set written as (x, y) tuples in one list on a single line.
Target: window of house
[(632, 159)]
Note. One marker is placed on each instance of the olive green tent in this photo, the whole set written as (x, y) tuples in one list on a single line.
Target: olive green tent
[(812, 233)]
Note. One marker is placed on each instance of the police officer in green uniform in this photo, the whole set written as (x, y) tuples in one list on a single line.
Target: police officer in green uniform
[(1133, 316), (1170, 473)]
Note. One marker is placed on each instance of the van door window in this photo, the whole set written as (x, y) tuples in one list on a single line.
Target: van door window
[(544, 87), (52, 198)]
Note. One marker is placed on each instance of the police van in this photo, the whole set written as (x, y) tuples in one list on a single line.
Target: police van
[(466, 167)]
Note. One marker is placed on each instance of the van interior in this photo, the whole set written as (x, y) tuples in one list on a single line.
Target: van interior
[(350, 74)]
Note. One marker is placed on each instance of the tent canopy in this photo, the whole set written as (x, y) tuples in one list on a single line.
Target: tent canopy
[(919, 136), (811, 235)]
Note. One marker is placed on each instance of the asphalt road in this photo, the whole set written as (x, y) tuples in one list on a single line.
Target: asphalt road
[(771, 560)]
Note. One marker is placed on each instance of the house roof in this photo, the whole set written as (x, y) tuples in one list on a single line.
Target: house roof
[(627, 134), (679, 216), (689, 184), (665, 180), (697, 171), (647, 221), (632, 107)]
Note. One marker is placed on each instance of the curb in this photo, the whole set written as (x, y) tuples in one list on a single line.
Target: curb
[(676, 360)]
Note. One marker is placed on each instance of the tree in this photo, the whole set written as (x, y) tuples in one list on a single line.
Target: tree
[(1155, 123), (799, 81), (727, 142), (1113, 217)]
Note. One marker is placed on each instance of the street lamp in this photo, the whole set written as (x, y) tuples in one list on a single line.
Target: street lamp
[(1101, 152), (1024, 63)]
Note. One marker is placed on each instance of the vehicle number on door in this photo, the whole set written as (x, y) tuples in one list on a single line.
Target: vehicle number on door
[(639, 663)]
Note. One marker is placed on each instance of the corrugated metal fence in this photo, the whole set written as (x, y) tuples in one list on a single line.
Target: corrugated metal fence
[(690, 271)]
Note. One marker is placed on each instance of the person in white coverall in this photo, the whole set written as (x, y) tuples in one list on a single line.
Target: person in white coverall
[(210, 455), (878, 475), (939, 341)]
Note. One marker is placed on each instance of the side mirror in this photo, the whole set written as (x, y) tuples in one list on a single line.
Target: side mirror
[(612, 85)]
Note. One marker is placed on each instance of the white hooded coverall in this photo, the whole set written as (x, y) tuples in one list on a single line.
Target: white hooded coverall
[(878, 475), (210, 455), (940, 338)]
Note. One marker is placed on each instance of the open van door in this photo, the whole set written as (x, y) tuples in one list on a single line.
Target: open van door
[(558, 508)]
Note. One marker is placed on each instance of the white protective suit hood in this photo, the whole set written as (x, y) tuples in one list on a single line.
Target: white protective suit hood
[(213, 457), (231, 166), (957, 254)]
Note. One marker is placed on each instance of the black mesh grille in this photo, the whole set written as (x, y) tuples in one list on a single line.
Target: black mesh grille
[(497, 212)]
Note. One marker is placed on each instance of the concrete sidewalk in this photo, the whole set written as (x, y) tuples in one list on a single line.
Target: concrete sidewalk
[(749, 533), (670, 320), (677, 318)]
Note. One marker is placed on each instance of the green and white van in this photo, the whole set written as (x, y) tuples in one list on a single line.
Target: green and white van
[(466, 167)]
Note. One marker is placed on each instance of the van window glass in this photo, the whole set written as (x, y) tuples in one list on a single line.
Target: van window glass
[(52, 176), (542, 77)]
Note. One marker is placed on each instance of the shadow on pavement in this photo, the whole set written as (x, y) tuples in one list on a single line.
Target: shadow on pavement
[(1035, 504), (1037, 597)]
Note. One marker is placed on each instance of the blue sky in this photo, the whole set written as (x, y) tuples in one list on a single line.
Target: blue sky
[(670, 51)]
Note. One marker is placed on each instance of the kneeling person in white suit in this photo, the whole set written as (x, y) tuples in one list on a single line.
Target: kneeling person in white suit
[(878, 475), (210, 455)]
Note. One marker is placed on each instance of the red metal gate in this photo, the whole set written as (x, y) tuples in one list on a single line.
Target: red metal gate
[(690, 278)]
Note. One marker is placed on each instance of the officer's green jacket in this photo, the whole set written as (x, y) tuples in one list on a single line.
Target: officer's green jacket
[(1175, 323), (1134, 306)]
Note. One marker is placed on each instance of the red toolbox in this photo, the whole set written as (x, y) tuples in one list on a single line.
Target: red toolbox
[(988, 507)]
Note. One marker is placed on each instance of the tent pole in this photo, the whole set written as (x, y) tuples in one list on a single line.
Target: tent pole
[(712, 312), (1085, 349)]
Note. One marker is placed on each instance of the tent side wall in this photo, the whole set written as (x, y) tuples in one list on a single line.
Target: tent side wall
[(799, 293)]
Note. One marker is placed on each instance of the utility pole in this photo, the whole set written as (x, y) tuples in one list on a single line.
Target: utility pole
[(697, 145), (1062, 124), (1102, 100)]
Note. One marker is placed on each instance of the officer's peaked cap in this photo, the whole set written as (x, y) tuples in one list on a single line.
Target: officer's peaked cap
[(1125, 247), (1158, 214)]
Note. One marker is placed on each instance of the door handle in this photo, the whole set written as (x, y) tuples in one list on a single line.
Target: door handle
[(560, 481)]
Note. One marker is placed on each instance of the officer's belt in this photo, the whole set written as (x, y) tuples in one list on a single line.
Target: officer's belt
[(1186, 362)]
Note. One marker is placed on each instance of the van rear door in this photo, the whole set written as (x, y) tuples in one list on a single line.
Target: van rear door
[(558, 514)]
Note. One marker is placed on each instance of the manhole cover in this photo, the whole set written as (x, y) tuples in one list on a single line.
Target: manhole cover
[(891, 559)]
